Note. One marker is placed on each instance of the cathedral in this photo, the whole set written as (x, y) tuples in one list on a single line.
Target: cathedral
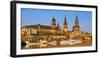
[(55, 31)]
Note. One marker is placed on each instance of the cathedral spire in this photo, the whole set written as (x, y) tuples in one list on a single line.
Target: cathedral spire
[(65, 28), (76, 27), (76, 21), (53, 24), (65, 23), (53, 21)]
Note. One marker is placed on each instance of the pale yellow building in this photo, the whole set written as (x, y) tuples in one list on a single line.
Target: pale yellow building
[(55, 30)]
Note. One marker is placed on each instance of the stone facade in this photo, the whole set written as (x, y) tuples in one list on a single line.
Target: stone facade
[(55, 29)]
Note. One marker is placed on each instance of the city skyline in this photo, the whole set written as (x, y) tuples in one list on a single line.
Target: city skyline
[(44, 17)]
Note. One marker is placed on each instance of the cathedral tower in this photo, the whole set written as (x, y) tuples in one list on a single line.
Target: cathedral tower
[(53, 25), (65, 27), (76, 27)]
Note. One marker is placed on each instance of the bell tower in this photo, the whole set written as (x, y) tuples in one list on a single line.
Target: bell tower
[(65, 27), (53, 24), (76, 27)]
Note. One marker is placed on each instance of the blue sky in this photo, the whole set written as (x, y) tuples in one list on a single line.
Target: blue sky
[(44, 16)]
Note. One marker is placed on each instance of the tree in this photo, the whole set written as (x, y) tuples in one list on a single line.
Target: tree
[(23, 43)]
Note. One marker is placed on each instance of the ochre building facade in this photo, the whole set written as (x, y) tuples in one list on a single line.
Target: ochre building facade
[(55, 31)]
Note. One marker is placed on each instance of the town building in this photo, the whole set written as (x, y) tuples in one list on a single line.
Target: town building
[(54, 31)]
